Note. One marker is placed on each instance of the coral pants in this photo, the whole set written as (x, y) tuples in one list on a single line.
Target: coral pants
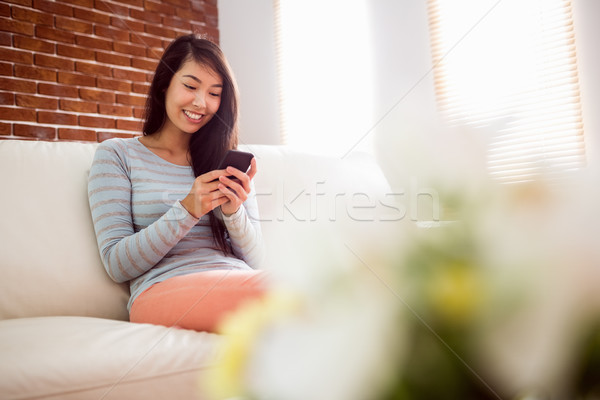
[(199, 300)]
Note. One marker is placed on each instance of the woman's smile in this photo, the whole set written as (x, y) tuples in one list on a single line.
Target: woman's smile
[(192, 116)]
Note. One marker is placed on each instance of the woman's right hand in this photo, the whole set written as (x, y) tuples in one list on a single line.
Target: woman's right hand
[(205, 195)]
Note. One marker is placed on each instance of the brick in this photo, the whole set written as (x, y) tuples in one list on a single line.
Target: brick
[(70, 24), (47, 117), (76, 79), (92, 69), (211, 9), (6, 69), (5, 129), (210, 20), (93, 43), (7, 99), (112, 84), (29, 101), (129, 49), (144, 63), (35, 131), (78, 106), (129, 125), (179, 3), (131, 100), (127, 25), (189, 15), (74, 52), (76, 134), (29, 15), (144, 15), (17, 114), (56, 90), (17, 56), (30, 72), (112, 33), (83, 3), (11, 25), (160, 31), (5, 39), (146, 41), (115, 110), (53, 7), (136, 3), (28, 43), (97, 95), (111, 8), (154, 53), (96, 122), (111, 58), (27, 3), (176, 23), (141, 88), (4, 10), (53, 62), (91, 16), (138, 112), (197, 5), (54, 34), (17, 85), (129, 75), (159, 8)]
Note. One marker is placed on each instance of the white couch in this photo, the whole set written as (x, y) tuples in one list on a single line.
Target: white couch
[(64, 330)]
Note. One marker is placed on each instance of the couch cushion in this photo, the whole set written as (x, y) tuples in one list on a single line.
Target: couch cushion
[(319, 213), (92, 358), (49, 260)]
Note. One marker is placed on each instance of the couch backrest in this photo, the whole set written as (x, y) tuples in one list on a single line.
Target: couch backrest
[(320, 214), (317, 213), (49, 260)]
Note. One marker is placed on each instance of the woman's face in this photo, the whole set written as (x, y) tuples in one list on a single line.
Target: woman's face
[(193, 97)]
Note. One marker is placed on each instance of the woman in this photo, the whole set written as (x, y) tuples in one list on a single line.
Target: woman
[(184, 235)]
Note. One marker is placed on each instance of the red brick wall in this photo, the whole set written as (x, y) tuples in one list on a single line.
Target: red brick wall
[(80, 69)]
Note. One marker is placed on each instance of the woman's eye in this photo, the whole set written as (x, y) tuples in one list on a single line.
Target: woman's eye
[(216, 94), (189, 86)]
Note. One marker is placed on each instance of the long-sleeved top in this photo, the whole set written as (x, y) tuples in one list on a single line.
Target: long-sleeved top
[(144, 234)]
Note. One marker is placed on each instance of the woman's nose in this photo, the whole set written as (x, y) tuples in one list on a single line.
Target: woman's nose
[(199, 101)]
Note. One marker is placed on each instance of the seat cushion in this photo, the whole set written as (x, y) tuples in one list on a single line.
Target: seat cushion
[(93, 358)]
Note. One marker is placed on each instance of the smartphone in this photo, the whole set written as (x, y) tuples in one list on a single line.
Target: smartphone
[(237, 159)]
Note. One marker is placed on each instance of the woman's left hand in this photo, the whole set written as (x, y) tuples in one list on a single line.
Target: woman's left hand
[(236, 190)]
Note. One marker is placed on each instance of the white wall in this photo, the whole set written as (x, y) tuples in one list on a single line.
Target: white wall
[(402, 63), (405, 106), (402, 59), (586, 14), (246, 36)]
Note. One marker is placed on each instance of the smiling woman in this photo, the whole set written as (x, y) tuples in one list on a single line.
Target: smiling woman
[(168, 220)]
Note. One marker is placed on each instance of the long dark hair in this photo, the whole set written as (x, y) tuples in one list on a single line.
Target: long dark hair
[(210, 143)]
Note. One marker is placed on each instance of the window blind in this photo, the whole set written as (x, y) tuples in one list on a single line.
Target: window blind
[(510, 66)]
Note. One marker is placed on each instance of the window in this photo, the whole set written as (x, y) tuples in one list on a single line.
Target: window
[(324, 73), (510, 66)]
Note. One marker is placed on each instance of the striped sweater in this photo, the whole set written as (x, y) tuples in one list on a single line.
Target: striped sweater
[(144, 234)]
